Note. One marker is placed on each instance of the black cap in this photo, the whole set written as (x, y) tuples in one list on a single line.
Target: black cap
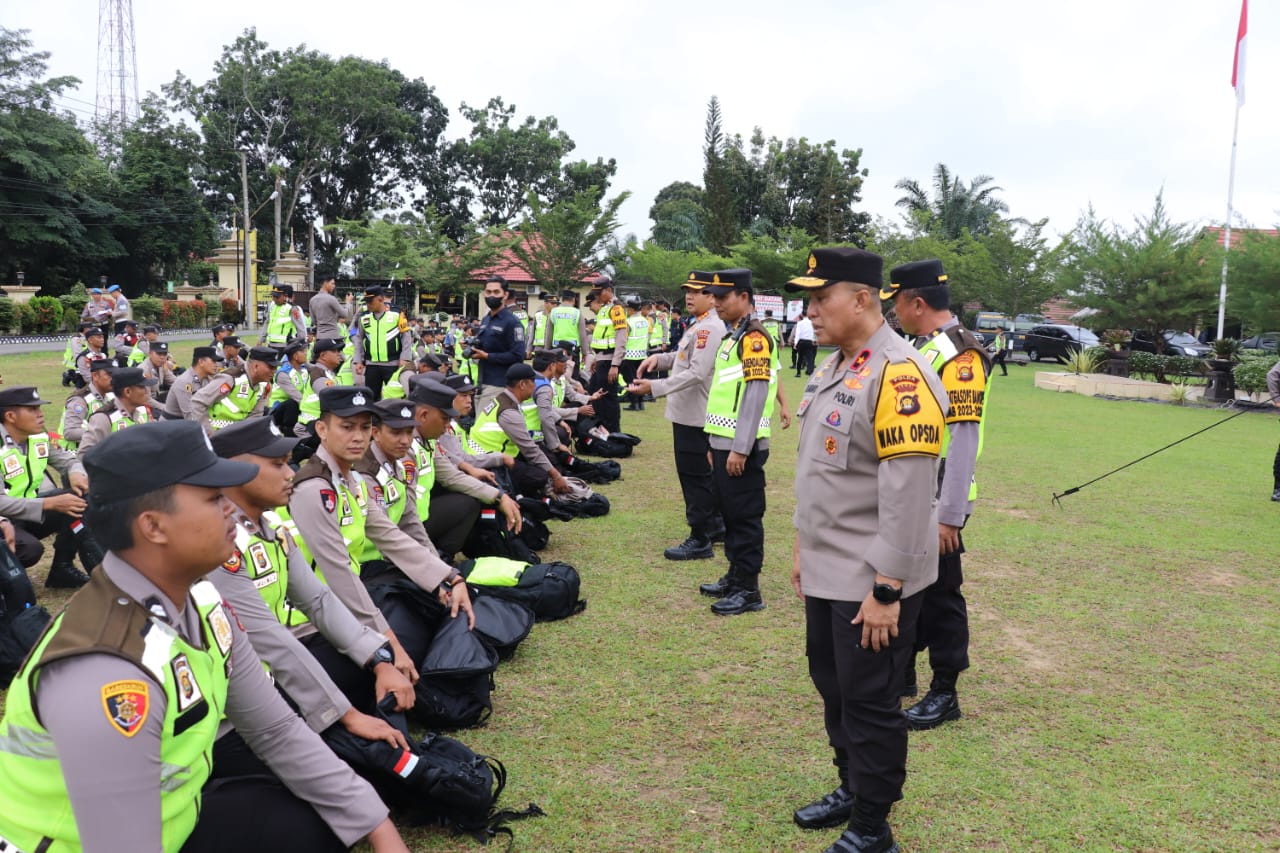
[(161, 347), (728, 281), (101, 364), (128, 377), (231, 341), (396, 414), (375, 290), (295, 345), (519, 371), (568, 294), (85, 325), (460, 383), (203, 352), (223, 327), (133, 323), (151, 327), (266, 355), (155, 455), (259, 436), (327, 345), (840, 263), (20, 395), (913, 276), (432, 392), (94, 330), (279, 290), (346, 400), (432, 360), (633, 301)]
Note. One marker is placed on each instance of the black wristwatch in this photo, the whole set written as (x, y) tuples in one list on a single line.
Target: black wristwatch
[(451, 581), (887, 593), (382, 654)]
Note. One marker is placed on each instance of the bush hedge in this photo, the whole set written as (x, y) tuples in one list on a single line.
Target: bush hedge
[(181, 314), (47, 311), (26, 319), (8, 314), (146, 310), (1251, 373)]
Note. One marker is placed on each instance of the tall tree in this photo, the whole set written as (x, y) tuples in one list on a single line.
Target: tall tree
[(565, 239), (1152, 277), (722, 225), (1024, 268), (773, 260), (953, 206), (1252, 272), (664, 270)]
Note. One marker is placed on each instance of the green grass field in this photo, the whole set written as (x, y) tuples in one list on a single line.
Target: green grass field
[(1125, 678)]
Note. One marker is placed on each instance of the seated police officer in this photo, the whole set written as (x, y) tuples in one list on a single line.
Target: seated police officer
[(131, 406), (503, 426), (107, 739), (26, 454), (240, 393)]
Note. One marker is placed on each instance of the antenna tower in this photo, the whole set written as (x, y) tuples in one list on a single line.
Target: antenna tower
[(117, 97)]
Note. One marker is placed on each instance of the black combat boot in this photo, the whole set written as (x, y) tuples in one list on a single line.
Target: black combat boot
[(939, 705), (693, 548), (835, 808), (717, 589), (63, 573), (868, 830), (742, 597)]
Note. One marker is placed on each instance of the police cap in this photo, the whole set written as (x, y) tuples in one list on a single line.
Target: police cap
[(914, 276), (429, 391), (294, 345), (519, 372), (129, 377), (840, 263), (327, 345), (20, 395), (161, 347), (729, 281), (460, 383), (345, 400), (101, 364), (266, 355), (231, 341), (396, 414), (203, 352), (258, 436), (157, 455)]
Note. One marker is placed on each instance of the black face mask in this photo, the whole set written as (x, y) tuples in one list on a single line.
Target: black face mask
[(493, 302)]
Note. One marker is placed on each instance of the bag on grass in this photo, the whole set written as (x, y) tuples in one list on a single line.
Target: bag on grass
[(594, 440), (535, 534), (550, 590), (489, 537), (583, 501), (502, 624), (455, 679), (413, 613)]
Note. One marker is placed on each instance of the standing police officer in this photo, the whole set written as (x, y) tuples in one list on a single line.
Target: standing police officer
[(636, 349), (608, 347), (284, 322), (866, 544), (922, 301), (738, 423), (499, 343), (691, 366), (382, 342)]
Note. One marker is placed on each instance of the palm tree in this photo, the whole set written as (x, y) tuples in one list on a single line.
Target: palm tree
[(954, 206)]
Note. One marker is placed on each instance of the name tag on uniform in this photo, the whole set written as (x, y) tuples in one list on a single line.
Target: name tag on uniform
[(266, 580)]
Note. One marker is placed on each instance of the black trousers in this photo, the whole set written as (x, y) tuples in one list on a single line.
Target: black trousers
[(242, 785), (376, 375), (628, 372), (608, 412), (1001, 355), (861, 694), (453, 514), (1275, 471), (741, 504), (285, 416), (944, 623), (691, 447), (805, 353), (27, 535)]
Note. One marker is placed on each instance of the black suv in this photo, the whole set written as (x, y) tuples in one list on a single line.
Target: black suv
[(1057, 342)]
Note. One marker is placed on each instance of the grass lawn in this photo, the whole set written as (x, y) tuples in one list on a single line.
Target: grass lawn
[(1125, 678)]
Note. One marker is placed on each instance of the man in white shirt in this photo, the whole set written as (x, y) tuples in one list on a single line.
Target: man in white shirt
[(803, 342)]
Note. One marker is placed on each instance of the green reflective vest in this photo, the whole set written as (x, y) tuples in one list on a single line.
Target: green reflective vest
[(35, 806), (309, 406), (352, 510), (539, 328), (602, 334), (24, 469), (297, 376), (487, 434), (136, 355), (75, 346), (391, 491), (424, 477), (120, 419), (774, 328), (280, 326), (381, 336), (565, 320), (725, 397), (657, 330), (237, 404), (266, 562), (637, 347), (94, 403), (392, 389)]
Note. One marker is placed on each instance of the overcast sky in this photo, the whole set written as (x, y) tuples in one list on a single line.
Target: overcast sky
[(1064, 104)]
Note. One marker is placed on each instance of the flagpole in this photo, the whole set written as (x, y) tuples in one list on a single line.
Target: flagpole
[(1226, 237)]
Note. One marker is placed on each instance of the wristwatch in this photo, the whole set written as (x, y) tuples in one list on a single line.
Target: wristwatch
[(887, 593), (451, 581), (382, 654)]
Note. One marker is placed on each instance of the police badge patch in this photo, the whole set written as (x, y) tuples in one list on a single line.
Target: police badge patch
[(185, 681), (329, 500), (126, 704)]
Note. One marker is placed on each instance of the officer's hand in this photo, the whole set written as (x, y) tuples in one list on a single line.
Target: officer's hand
[(358, 368), (948, 539), (588, 410), (371, 728), (508, 460), (405, 364), (879, 622), (479, 473), (511, 510), (385, 838), (79, 483), (388, 679), (785, 417), (641, 386), (795, 577), (7, 527), (600, 393), (613, 375), (478, 354), (645, 366), (67, 503), (402, 660), (458, 598), (736, 464), (560, 485)]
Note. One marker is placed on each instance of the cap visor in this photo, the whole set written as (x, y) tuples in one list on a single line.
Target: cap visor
[(348, 411), (694, 286), (280, 447), (221, 474), (807, 283), (718, 289), (397, 423)]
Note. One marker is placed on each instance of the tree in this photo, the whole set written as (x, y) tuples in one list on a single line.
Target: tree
[(966, 261), (773, 260), (722, 225), (499, 165), (1024, 269), (679, 220), (1154, 277), (954, 206), (564, 240), (664, 270), (1253, 276)]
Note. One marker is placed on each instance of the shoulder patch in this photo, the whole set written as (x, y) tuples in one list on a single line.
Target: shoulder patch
[(702, 336), (908, 419), (233, 565), (757, 357), (224, 388), (77, 405), (126, 704), (965, 378), (329, 500)]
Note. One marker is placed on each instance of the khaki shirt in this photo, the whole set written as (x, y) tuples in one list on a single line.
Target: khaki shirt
[(692, 365), (112, 780), (857, 514), (77, 409), (185, 384), (211, 393), (98, 426), (64, 462)]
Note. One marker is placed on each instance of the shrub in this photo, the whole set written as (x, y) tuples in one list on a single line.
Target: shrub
[(183, 314), (1143, 364), (8, 314), (1085, 360), (146, 310), (1251, 374), (1183, 365), (230, 312), (26, 319), (73, 303), (48, 314)]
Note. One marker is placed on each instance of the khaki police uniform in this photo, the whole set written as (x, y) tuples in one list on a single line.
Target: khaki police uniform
[(112, 418), (248, 398), (177, 404)]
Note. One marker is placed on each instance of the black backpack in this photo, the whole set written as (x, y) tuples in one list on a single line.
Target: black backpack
[(535, 533), (411, 612), (489, 537), (22, 621), (455, 679), (502, 624), (550, 590)]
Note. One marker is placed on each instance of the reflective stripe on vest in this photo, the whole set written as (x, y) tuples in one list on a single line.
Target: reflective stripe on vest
[(725, 397), (424, 477), (24, 470), (565, 321), (352, 510), (280, 326), (938, 350), (381, 336), (236, 405), (488, 435), (266, 562), (602, 335), (637, 338)]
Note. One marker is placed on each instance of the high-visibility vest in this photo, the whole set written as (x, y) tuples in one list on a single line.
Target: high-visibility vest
[(939, 349), (236, 404), (309, 407), (120, 419), (296, 376), (75, 345), (539, 328), (24, 471), (565, 320), (392, 389), (637, 347), (35, 807), (657, 331), (392, 493), (424, 477), (352, 510), (94, 402), (533, 420), (725, 398), (487, 434), (267, 563), (280, 326), (602, 335), (774, 328), (382, 336)]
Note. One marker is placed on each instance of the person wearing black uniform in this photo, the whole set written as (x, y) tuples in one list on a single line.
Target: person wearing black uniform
[(500, 341)]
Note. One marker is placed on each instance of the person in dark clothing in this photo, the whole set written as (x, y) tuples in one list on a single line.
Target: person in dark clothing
[(499, 343)]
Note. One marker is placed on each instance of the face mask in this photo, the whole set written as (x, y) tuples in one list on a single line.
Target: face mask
[(493, 301)]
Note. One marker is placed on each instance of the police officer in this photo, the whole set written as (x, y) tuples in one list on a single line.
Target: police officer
[(157, 366), (131, 406), (320, 375), (738, 422), (328, 314), (382, 341), (26, 452), (469, 457), (75, 345), (220, 333), (773, 327), (502, 427), (234, 397), (233, 353), (636, 348), (290, 379), (85, 402), (866, 544), (608, 347), (108, 733), (94, 350), (499, 343), (691, 366), (539, 324), (565, 322), (922, 302), (284, 320), (204, 366)]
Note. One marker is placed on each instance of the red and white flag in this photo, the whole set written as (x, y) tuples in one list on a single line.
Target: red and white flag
[(1237, 66)]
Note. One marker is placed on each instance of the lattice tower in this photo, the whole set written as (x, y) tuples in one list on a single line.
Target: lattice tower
[(117, 97)]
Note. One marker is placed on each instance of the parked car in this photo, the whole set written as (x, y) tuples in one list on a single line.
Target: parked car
[(1057, 342), (1266, 342), (1175, 343)]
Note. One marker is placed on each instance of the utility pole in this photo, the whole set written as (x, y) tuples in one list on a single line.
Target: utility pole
[(311, 255), (278, 217), (250, 315)]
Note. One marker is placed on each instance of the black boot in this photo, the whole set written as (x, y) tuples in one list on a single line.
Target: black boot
[(937, 707), (738, 601), (693, 548), (1275, 495), (717, 532), (65, 575), (717, 589), (90, 551), (868, 830), (832, 810)]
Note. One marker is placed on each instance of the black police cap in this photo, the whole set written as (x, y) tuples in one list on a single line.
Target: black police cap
[(913, 276), (295, 345), (430, 391), (518, 372), (132, 462), (840, 263), (729, 281), (460, 383), (101, 364), (161, 347), (231, 341), (20, 395), (203, 352), (327, 345), (375, 290), (258, 436), (266, 355), (396, 414), (129, 377), (346, 400)]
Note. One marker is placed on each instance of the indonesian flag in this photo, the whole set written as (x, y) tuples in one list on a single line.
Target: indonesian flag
[(1237, 66)]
